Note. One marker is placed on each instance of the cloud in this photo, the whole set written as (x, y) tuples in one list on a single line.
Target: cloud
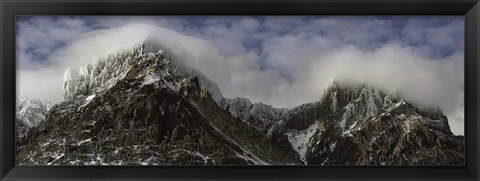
[(283, 61), (39, 37)]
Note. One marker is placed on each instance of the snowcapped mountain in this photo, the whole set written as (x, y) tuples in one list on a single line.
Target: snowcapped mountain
[(141, 107), (29, 113), (364, 126)]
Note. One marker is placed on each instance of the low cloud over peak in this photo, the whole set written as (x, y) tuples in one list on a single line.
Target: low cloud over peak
[(282, 61)]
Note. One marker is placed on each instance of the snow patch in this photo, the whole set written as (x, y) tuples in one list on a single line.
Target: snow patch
[(89, 98), (408, 126), (56, 157), (246, 152), (333, 145), (350, 128), (84, 141), (299, 139), (349, 111), (396, 105), (242, 156)]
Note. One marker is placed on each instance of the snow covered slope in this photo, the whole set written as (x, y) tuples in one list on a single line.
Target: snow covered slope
[(29, 113)]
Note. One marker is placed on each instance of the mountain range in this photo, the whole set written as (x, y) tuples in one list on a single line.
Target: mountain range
[(141, 107)]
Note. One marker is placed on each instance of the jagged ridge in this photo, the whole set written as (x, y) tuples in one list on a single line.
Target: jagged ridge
[(167, 104)]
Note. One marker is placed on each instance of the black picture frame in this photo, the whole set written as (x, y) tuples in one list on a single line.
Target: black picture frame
[(10, 9)]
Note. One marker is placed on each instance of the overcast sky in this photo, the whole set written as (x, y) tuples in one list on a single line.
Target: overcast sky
[(282, 61)]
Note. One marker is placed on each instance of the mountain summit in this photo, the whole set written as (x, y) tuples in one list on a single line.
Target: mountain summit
[(141, 107)]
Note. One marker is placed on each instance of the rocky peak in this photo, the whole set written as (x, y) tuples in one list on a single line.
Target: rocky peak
[(30, 113), (362, 102), (338, 96), (147, 60), (102, 74)]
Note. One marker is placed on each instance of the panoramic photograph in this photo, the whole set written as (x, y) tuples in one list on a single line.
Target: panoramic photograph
[(240, 90)]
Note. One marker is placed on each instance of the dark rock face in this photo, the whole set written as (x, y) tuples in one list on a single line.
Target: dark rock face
[(143, 130), (153, 115), (133, 123)]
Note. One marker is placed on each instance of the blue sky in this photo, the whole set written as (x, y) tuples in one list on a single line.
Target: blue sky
[(365, 32), (279, 60)]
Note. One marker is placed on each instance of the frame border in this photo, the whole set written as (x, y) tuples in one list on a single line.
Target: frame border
[(10, 9)]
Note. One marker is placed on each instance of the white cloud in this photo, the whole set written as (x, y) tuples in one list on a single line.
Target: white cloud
[(280, 61)]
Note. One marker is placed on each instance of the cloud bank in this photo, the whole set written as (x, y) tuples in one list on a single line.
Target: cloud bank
[(283, 61)]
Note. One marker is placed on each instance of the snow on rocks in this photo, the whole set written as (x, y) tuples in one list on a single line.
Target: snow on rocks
[(349, 112), (147, 61), (246, 152), (69, 80), (299, 139), (100, 75), (373, 101), (30, 113), (90, 98), (396, 105), (105, 72), (334, 101), (84, 141), (275, 126), (209, 85), (262, 114)]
